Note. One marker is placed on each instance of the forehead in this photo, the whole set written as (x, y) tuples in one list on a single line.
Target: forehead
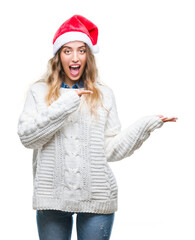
[(74, 44)]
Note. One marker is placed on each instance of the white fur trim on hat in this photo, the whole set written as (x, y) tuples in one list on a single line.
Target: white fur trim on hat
[(73, 36)]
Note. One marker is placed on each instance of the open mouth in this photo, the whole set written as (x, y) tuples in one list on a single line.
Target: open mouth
[(74, 69)]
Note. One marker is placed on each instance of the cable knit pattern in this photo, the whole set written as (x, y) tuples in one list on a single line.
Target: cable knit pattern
[(71, 149), (36, 129)]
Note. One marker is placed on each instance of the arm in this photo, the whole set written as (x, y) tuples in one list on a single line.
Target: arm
[(37, 128), (121, 144)]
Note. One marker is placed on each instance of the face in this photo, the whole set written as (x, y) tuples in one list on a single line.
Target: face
[(73, 57)]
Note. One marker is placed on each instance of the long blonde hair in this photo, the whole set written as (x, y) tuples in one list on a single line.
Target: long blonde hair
[(55, 75)]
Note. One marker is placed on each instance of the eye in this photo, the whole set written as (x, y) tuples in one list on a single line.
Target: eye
[(82, 51), (67, 51)]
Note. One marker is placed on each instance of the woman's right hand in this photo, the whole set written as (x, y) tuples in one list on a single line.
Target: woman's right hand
[(80, 92)]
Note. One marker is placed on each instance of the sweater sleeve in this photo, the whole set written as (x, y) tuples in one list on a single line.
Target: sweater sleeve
[(37, 128), (120, 144)]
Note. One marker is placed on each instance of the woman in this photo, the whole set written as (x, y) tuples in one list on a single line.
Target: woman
[(70, 121)]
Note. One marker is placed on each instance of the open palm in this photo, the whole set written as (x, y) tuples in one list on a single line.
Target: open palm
[(166, 119)]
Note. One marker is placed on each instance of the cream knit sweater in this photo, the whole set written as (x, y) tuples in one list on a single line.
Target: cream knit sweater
[(71, 149)]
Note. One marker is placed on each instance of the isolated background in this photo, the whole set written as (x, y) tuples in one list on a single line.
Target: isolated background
[(147, 56)]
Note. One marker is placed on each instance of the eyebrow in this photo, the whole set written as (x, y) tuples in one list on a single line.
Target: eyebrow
[(70, 47)]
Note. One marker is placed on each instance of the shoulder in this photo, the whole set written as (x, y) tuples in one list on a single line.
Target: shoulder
[(106, 90), (39, 88), (108, 95)]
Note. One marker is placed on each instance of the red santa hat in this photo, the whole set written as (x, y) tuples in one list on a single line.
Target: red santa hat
[(77, 28)]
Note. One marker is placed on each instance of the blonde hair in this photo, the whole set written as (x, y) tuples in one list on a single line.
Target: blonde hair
[(55, 75)]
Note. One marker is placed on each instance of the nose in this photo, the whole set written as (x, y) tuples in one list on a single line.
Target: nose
[(75, 56)]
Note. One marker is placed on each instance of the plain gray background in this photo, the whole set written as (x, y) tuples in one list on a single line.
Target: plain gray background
[(147, 56)]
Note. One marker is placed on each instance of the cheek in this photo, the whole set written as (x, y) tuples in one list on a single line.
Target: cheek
[(65, 63), (83, 66), (84, 61)]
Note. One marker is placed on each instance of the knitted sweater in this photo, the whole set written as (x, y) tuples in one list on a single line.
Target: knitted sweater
[(71, 150)]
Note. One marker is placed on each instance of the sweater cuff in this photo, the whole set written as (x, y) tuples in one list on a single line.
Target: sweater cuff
[(154, 122), (57, 108)]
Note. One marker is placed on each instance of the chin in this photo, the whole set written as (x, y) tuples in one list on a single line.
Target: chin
[(75, 79)]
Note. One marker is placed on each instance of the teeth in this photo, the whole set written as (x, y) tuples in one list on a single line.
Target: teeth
[(75, 66)]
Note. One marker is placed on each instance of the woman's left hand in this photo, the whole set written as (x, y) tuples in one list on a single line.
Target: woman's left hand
[(166, 119)]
